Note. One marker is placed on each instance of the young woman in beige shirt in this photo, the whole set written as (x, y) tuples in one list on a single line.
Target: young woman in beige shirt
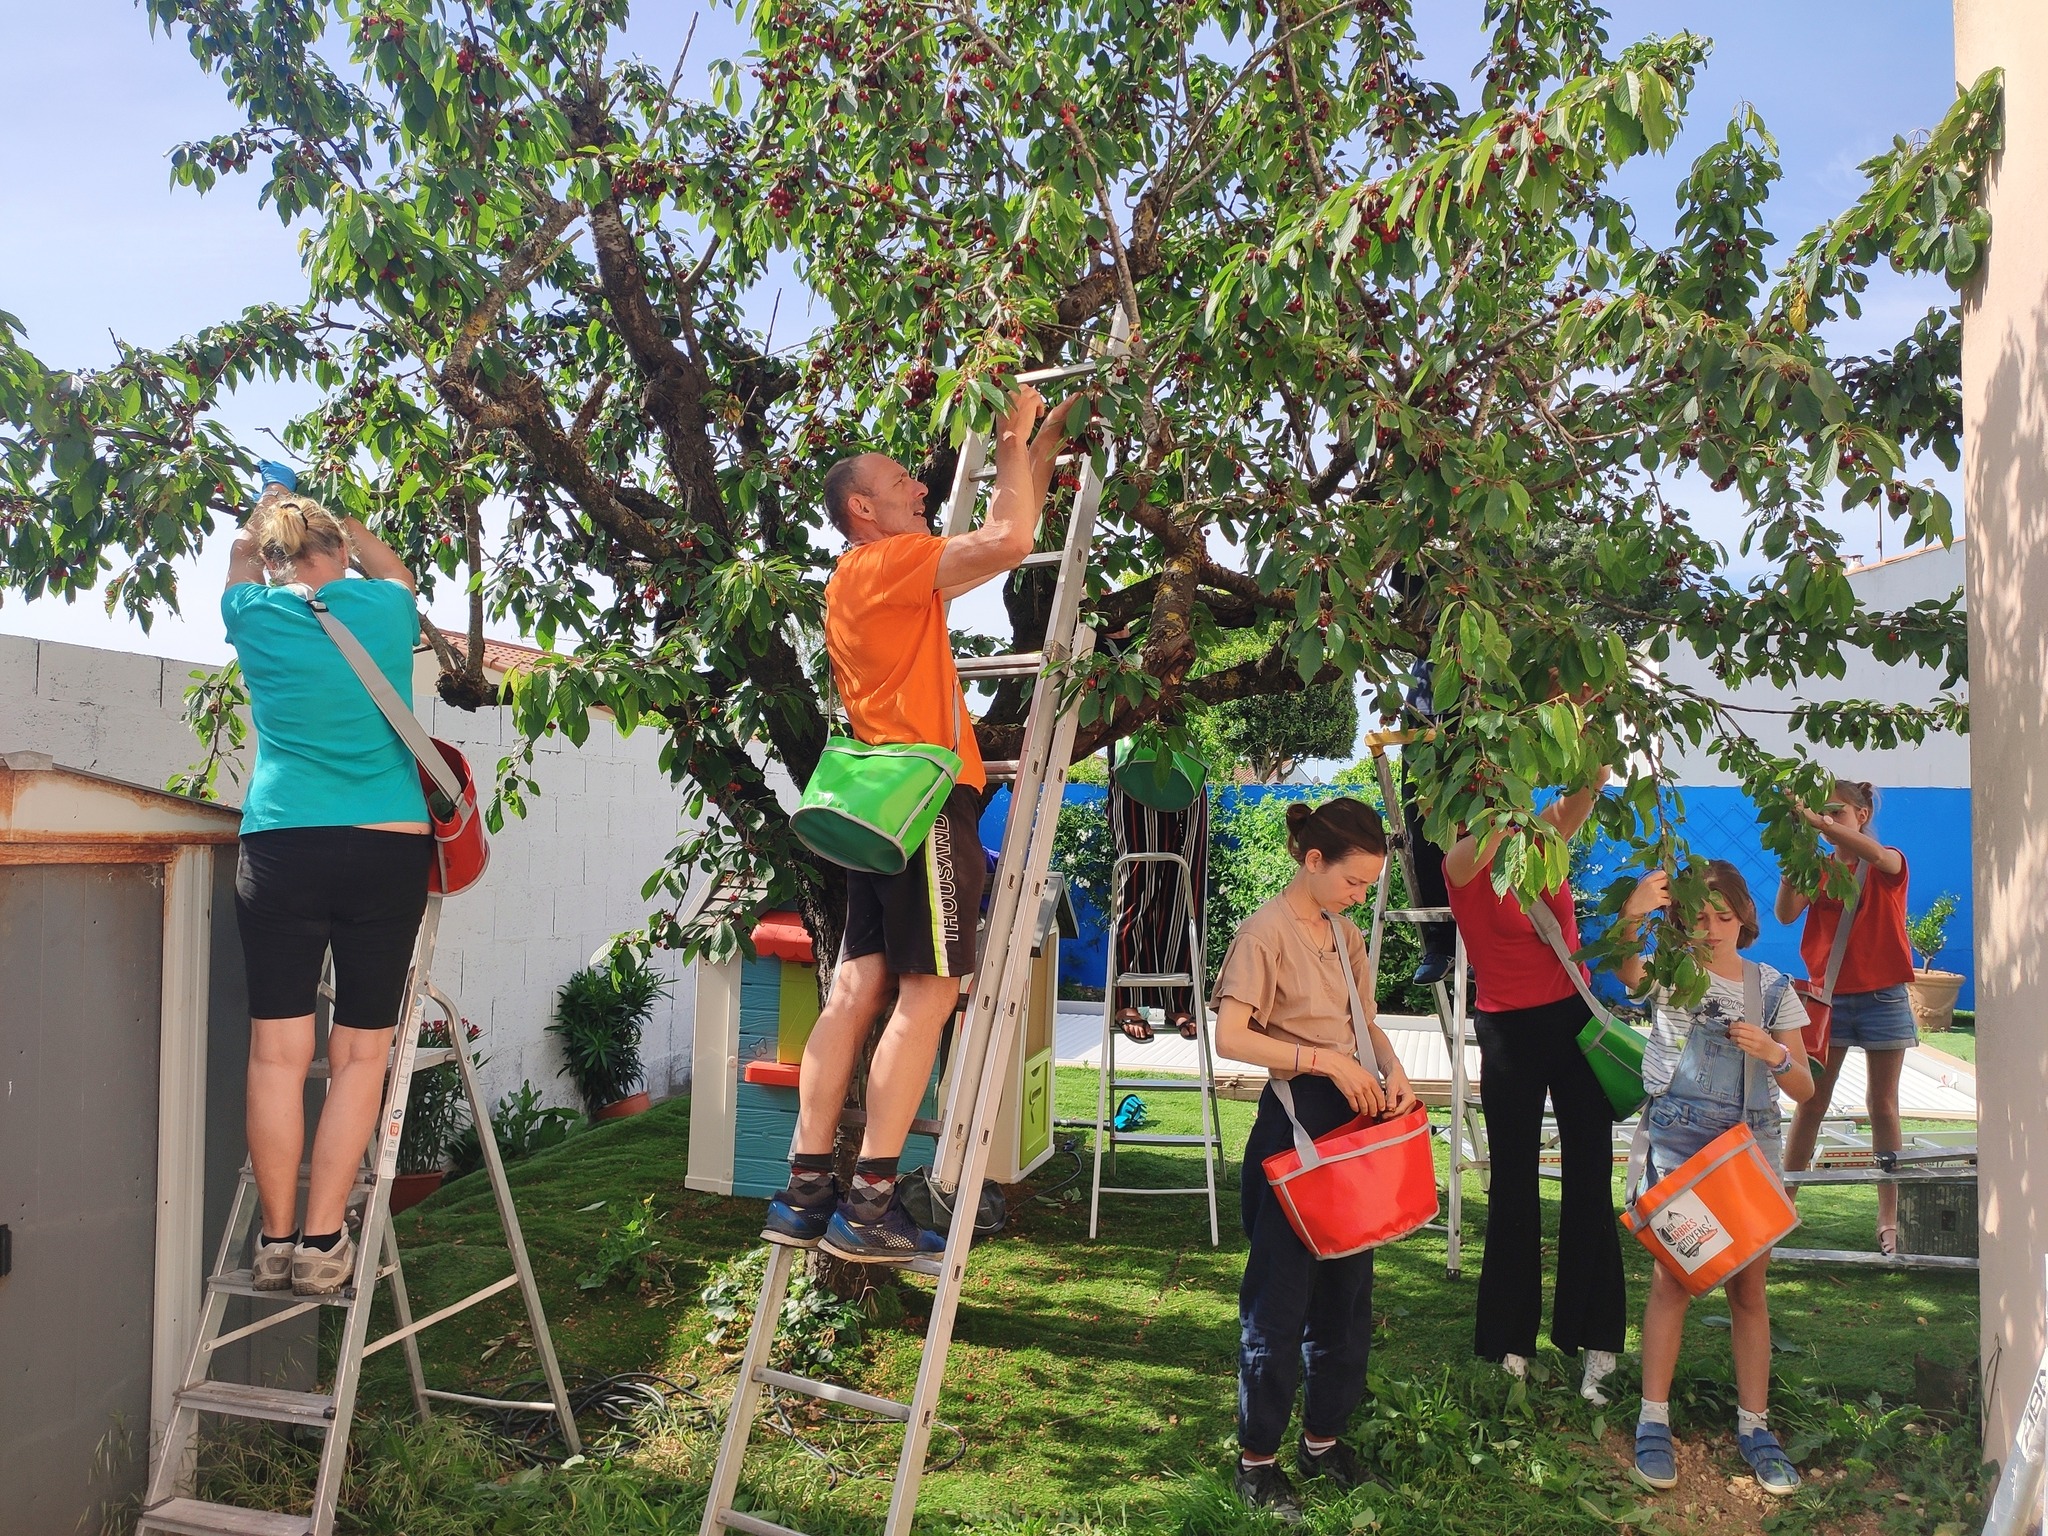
[(1282, 1002)]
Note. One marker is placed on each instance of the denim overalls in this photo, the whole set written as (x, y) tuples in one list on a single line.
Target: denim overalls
[(1717, 1086)]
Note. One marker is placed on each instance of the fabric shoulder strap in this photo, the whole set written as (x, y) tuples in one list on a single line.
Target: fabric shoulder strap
[(386, 698), (1361, 1034), (1547, 927), (1753, 1011), (1839, 950)]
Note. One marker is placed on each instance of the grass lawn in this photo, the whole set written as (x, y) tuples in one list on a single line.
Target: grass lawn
[(1092, 1384)]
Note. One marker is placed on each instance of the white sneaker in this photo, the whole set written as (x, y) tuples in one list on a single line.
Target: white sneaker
[(1516, 1366), (1599, 1366)]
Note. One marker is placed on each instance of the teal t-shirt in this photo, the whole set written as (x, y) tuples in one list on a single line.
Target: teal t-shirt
[(325, 756)]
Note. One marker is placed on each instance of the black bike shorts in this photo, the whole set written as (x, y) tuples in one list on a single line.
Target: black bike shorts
[(300, 891), (924, 921)]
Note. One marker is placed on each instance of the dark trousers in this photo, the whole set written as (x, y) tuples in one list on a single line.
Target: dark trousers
[(1298, 1316), (1524, 1056), (1428, 859)]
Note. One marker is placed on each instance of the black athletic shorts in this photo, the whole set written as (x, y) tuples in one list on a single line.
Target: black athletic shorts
[(923, 921), (300, 890)]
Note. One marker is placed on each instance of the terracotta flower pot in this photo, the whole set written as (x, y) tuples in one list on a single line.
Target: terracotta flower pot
[(1933, 995), (409, 1189), (631, 1104)]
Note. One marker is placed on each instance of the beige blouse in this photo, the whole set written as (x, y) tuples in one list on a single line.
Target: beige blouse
[(1286, 971)]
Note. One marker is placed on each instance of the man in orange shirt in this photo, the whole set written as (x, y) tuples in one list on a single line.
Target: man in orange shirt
[(913, 933)]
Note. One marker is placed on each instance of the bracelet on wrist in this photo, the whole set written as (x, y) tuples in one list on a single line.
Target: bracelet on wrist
[(1784, 1066)]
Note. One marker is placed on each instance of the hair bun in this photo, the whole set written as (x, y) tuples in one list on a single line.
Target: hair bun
[(1298, 812)]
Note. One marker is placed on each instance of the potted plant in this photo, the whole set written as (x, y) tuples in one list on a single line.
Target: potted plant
[(436, 1112), (1933, 992), (599, 1014)]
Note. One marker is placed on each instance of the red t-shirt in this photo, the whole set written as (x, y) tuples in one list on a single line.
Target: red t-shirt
[(1879, 954), (1514, 967)]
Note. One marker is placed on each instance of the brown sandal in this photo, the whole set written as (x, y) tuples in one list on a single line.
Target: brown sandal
[(1185, 1023), (1133, 1024)]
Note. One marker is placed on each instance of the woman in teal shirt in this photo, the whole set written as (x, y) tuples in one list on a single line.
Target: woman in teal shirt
[(336, 849)]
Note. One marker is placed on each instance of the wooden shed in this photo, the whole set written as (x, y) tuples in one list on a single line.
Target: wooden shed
[(123, 1035)]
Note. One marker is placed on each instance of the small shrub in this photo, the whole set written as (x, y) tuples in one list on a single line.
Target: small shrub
[(523, 1126), (628, 1251), (819, 1331), (1929, 931), (436, 1108)]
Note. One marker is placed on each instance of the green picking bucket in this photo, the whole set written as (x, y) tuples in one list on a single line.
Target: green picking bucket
[(1154, 774), (1615, 1053), (870, 807)]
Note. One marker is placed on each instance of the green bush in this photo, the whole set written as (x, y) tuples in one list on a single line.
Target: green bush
[(523, 1126), (599, 1014), (1929, 931), (436, 1108)]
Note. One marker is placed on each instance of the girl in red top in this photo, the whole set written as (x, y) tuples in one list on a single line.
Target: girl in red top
[(1528, 1018), (1871, 1009)]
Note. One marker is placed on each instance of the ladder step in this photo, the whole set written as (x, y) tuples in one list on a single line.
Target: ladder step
[(1419, 914), (1044, 557), (989, 473), (1196, 1189), (1010, 664), (828, 1392), (740, 1520), (1152, 1139), (236, 1283), (194, 1517), (857, 1119), (239, 1400), (1155, 979), (1159, 1084), (1005, 768), (426, 1056)]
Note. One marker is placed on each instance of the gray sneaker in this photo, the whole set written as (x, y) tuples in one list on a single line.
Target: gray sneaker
[(270, 1267), (322, 1274)]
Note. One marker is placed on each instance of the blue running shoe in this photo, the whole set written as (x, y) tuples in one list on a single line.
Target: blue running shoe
[(1774, 1471), (895, 1239), (1656, 1457), (797, 1226)]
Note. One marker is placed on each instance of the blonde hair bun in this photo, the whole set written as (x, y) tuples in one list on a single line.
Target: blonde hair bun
[(285, 525)]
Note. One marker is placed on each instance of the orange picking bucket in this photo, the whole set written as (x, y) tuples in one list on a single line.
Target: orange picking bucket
[(1714, 1213)]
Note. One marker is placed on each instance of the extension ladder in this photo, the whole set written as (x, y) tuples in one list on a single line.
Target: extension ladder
[(168, 1507), (2019, 1504), (1107, 1136), (1468, 1129), (987, 1030)]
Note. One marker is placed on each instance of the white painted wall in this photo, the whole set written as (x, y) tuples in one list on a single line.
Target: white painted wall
[(560, 883), (1941, 762)]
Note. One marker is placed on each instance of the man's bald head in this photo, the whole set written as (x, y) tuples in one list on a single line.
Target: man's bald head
[(850, 477)]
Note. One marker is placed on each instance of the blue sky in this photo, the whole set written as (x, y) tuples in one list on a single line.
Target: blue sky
[(102, 245)]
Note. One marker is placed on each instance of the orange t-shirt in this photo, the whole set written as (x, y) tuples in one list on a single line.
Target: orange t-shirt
[(1879, 954), (892, 655)]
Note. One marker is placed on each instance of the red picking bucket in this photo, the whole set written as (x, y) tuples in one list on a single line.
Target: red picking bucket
[(1819, 1028), (1368, 1182), (1714, 1213), (460, 849)]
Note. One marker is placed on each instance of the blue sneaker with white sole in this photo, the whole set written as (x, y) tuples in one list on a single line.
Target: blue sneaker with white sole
[(895, 1239), (1774, 1471), (798, 1226), (1656, 1457)]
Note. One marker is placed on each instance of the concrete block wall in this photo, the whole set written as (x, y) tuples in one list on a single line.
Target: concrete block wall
[(561, 882)]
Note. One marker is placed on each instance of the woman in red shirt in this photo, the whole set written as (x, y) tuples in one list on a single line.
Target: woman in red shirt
[(1528, 1017), (1871, 1009)]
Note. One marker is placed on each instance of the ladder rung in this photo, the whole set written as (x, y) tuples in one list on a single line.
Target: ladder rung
[(1010, 664), (1060, 371), (488, 1402), (1419, 914), (1160, 1084), (1044, 557), (827, 1392), (929, 1267), (857, 1119), (1155, 979), (989, 473), (752, 1525), (1153, 1139), (1003, 768), (195, 1517), (241, 1401), (426, 1056), (1196, 1189)]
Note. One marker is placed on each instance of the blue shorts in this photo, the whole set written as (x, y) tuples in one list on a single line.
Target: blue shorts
[(1877, 1021)]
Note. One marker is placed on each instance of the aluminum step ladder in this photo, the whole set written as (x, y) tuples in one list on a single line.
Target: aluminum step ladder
[(1467, 1132), (168, 1506), (1107, 1137), (985, 1034)]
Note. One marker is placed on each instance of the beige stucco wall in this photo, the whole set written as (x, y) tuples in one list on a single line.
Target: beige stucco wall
[(2005, 475)]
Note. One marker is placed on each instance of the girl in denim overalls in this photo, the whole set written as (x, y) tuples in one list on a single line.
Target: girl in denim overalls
[(1708, 1068)]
